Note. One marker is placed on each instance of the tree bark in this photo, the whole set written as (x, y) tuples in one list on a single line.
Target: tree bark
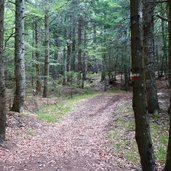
[(73, 48), (46, 63), (164, 65), (148, 50), (103, 74), (68, 57), (168, 158), (19, 97), (64, 66), (80, 23), (84, 59), (94, 33), (2, 77), (142, 127), (37, 55)]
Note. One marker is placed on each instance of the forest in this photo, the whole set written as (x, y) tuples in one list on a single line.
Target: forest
[(85, 85)]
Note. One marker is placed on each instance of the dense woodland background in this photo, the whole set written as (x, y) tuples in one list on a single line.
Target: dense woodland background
[(50, 48)]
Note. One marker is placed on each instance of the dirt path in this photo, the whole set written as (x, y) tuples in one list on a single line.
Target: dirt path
[(78, 143)]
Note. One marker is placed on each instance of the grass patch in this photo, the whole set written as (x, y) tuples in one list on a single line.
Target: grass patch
[(48, 117), (52, 113), (78, 98), (159, 135), (123, 136)]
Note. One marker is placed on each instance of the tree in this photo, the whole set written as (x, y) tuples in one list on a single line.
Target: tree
[(164, 61), (168, 158), (2, 78), (148, 47), (37, 55), (18, 103), (79, 67), (46, 64), (142, 127), (69, 46)]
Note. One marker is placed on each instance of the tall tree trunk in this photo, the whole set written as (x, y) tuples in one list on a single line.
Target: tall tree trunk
[(46, 64), (64, 59), (104, 61), (109, 64), (84, 59), (80, 21), (18, 103), (2, 77), (168, 158), (73, 17), (103, 74), (148, 47), (33, 57), (64, 66), (94, 33), (142, 127), (37, 55), (164, 67), (68, 57), (73, 48)]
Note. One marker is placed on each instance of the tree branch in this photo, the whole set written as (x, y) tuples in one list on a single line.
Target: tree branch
[(11, 35), (162, 18), (161, 1), (11, 2)]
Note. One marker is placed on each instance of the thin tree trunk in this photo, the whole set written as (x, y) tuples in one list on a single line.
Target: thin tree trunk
[(103, 74), (46, 64), (94, 33), (64, 67), (84, 59), (18, 103), (115, 69), (79, 49), (164, 67), (64, 59), (33, 58), (68, 57), (168, 158), (157, 57), (2, 77), (73, 49), (148, 47), (126, 77), (104, 62), (37, 55), (109, 63), (142, 127)]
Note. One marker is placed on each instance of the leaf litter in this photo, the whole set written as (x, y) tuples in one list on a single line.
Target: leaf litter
[(79, 142)]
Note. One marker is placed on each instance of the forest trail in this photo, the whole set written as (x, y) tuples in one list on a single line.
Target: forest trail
[(80, 142)]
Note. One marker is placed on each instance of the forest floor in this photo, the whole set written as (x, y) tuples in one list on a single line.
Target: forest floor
[(77, 143), (96, 135)]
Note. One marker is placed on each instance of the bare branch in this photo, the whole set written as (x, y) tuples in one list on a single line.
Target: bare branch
[(161, 1), (11, 2), (11, 35), (162, 18)]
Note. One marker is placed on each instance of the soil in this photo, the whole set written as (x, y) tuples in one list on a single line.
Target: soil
[(79, 142)]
